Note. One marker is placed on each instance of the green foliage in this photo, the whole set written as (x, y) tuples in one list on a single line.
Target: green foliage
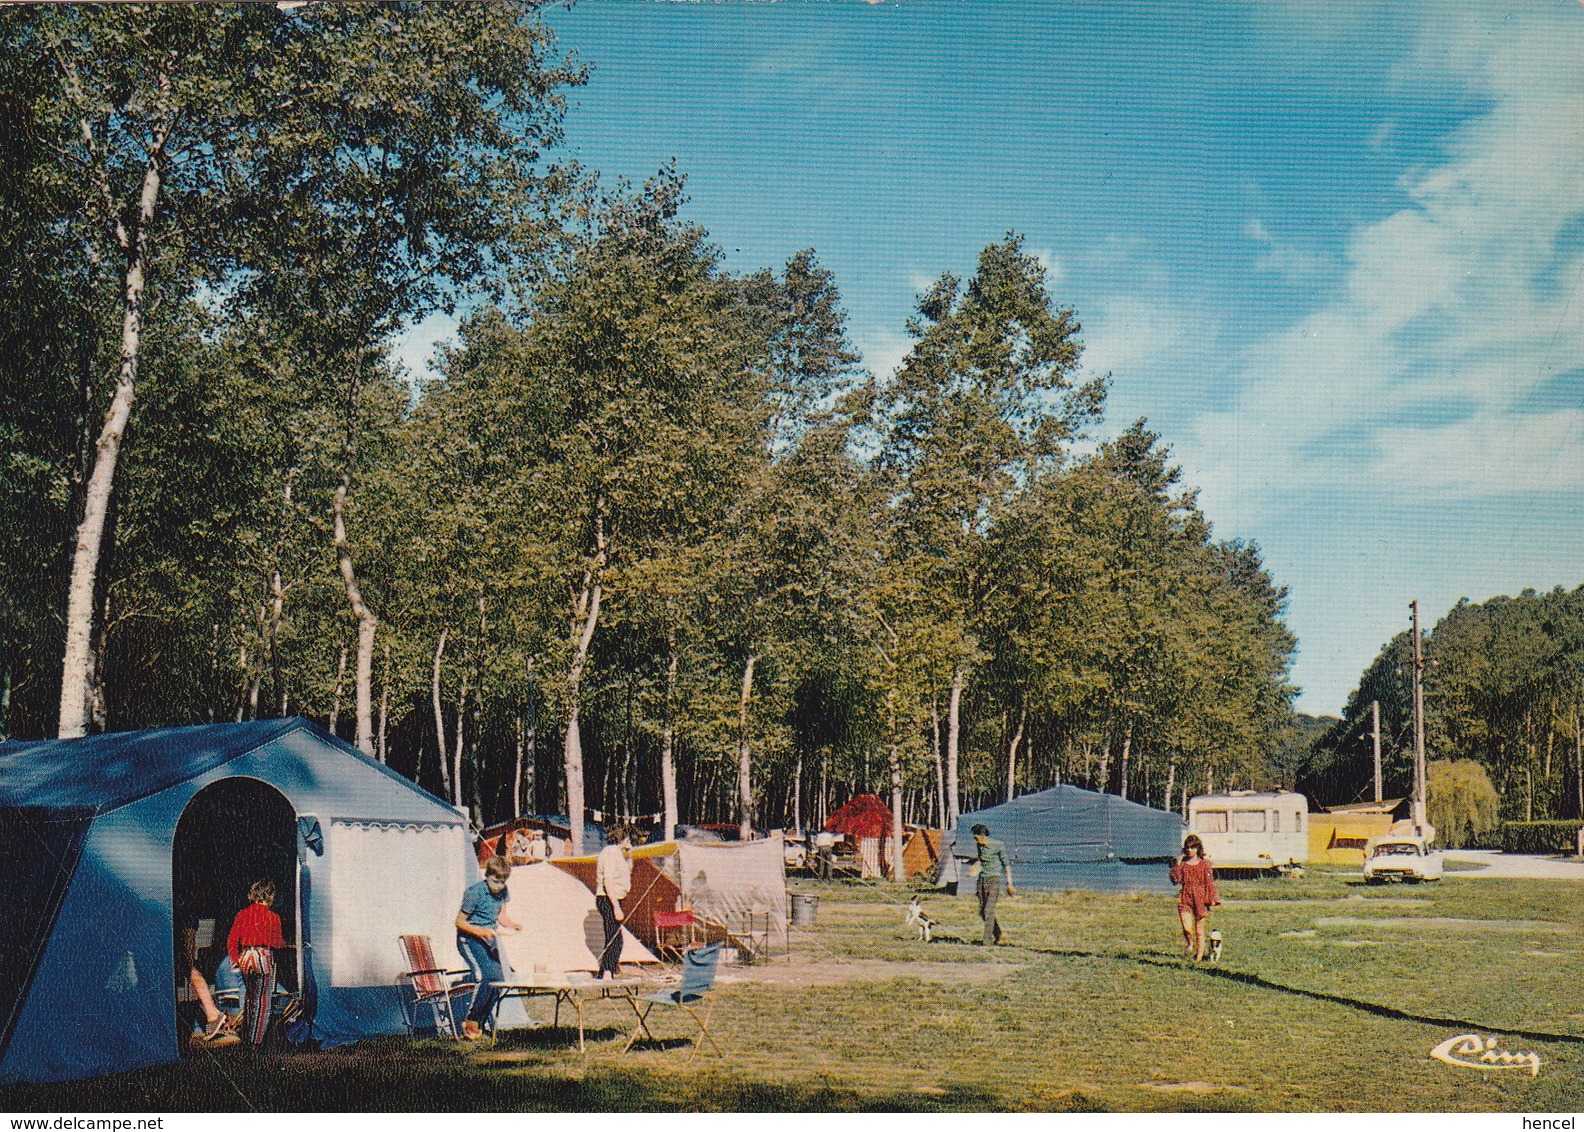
[(621, 410), (1539, 836), (1502, 686), (1460, 802)]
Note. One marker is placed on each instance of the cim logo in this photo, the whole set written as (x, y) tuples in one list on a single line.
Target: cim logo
[(1475, 1051)]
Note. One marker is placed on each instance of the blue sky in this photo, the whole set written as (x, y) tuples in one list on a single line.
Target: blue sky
[(1332, 252)]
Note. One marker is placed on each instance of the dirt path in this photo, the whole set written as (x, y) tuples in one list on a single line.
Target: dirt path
[(828, 973)]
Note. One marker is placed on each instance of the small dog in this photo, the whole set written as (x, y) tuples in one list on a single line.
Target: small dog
[(915, 915), (1215, 946)]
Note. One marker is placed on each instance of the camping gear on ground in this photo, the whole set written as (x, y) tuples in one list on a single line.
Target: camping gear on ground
[(1245, 829), (698, 979), (107, 836), (804, 907), (1067, 837), (433, 987)]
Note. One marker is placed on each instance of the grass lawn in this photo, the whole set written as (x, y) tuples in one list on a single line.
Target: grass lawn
[(1330, 996)]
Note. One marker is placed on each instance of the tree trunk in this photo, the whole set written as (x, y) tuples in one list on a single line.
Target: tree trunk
[(77, 660), (335, 703), (1127, 749), (668, 783), (1012, 752), (439, 715), (744, 754), (797, 793), (953, 738), (585, 619), (384, 709), (517, 769), (1171, 781), (242, 667), (1105, 762), (456, 748), (277, 602), (368, 624), (940, 766), (894, 758)]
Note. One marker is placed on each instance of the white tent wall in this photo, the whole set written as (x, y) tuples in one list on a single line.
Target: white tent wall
[(389, 880), (732, 881)]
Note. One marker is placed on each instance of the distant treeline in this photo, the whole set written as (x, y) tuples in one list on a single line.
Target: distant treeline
[(1503, 686), (654, 542)]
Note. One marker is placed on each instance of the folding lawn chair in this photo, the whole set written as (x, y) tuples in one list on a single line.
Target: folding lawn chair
[(698, 978), (432, 985)]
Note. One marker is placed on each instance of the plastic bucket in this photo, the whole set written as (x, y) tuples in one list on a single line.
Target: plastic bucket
[(804, 906)]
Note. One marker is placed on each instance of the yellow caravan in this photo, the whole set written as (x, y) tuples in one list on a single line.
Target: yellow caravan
[(1340, 835)]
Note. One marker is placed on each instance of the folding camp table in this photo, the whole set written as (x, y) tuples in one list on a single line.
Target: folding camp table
[(576, 989)]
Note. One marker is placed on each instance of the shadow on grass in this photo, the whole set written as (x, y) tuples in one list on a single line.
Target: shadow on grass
[(396, 1075), (1249, 979)]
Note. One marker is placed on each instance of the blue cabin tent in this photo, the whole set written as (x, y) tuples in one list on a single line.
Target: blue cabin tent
[(113, 845), (1068, 837)]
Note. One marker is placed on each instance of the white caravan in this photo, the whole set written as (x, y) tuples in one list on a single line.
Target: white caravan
[(1249, 830)]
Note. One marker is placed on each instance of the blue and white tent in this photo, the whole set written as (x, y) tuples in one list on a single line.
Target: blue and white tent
[(1068, 837), (113, 844)]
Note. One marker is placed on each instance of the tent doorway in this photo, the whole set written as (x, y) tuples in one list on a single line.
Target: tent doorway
[(232, 833)]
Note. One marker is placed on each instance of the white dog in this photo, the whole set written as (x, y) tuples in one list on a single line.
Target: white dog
[(1215, 946), (915, 915)]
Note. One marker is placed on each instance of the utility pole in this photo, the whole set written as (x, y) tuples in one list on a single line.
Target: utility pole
[(1418, 710), (1375, 711)]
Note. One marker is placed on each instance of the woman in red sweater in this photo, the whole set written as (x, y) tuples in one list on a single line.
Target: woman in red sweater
[(1195, 878), (255, 935)]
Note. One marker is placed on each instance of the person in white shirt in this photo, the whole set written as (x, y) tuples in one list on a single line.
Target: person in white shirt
[(612, 883)]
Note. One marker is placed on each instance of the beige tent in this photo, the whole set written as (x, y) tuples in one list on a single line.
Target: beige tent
[(739, 884), (561, 927)]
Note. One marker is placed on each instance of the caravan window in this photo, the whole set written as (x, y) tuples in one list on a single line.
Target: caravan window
[(1276, 820), (1248, 821), (1211, 821)]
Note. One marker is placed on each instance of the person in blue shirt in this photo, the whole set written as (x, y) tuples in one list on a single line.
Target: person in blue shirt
[(481, 916)]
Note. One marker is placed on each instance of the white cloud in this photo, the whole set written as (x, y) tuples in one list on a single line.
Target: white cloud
[(1052, 265), (1420, 371)]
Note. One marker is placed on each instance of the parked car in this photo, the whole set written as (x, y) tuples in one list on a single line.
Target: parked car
[(1401, 857)]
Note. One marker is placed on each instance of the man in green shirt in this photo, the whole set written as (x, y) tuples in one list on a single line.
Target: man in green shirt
[(995, 873)]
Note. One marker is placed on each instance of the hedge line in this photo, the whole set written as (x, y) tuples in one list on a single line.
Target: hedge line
[(1539, 836)]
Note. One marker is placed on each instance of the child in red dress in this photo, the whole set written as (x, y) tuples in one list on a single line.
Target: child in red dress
[(255, 936), (1195, 878)]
